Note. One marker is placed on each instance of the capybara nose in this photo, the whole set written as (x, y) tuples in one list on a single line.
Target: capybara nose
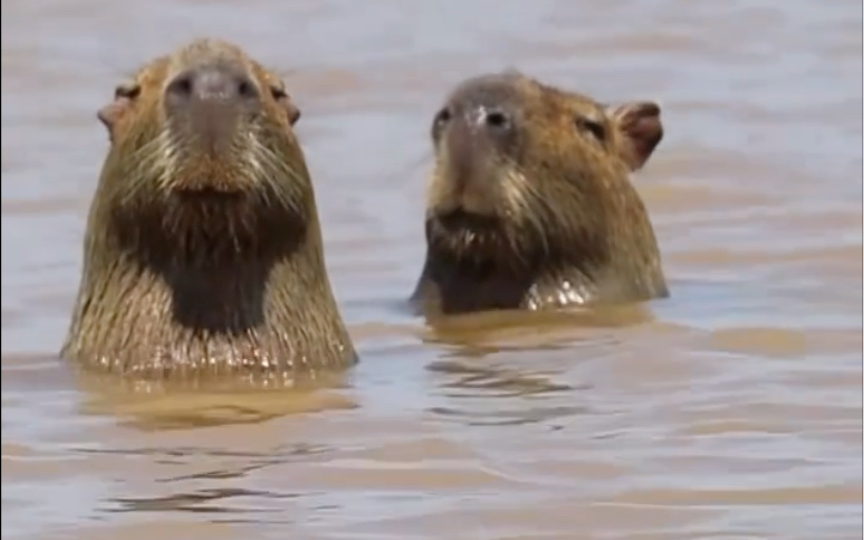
[(211, 84), (209, 102), (473, 135)]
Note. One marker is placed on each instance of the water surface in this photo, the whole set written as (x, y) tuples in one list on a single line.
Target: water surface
[(731, 410)]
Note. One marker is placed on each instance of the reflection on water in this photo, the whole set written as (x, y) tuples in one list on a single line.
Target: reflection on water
[(732, 409), (202, 408)]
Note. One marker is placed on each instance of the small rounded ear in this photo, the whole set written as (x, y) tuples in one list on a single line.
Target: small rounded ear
[(284, 100), (641, 129), (293, 112), (110, 114)]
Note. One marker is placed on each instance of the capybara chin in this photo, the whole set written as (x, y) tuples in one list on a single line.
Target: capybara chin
[(531, 205), (203, 252)]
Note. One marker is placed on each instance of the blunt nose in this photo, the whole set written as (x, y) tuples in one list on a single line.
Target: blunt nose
[(478, 126), (474, 134), (211, 101), (211, 84)]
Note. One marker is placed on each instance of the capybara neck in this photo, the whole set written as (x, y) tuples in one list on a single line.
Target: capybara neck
[(531, 205), (164, 318), (203, 252)]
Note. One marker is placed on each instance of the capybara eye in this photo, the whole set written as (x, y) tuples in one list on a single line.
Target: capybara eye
[(127, 91), (596, 129)]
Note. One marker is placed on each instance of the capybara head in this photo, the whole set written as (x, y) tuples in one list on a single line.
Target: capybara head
[(206, 127), (203, 252), (518, 164), (530, 182)]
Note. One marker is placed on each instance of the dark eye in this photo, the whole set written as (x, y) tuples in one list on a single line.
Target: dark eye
[(595, 128), (278, 93), (127, 91)]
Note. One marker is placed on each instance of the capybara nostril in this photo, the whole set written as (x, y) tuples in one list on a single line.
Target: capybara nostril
[(181, 86), (495, 118)]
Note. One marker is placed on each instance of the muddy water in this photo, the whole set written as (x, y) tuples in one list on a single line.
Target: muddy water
[(731, 410)]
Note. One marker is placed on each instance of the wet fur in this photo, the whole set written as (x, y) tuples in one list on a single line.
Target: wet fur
[(565, 225), (189, 279)]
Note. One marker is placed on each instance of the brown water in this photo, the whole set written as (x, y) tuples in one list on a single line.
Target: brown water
[(731, 410)]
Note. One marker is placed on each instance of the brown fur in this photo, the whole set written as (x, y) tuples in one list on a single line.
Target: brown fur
[(530, 203), (204, 264)]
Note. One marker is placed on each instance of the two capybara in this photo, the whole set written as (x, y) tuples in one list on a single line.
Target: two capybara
[(203, 251)]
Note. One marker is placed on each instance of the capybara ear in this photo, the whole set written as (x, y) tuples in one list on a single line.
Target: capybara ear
[(285, 101), (293, 112), (640, 125), (110, 114)]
